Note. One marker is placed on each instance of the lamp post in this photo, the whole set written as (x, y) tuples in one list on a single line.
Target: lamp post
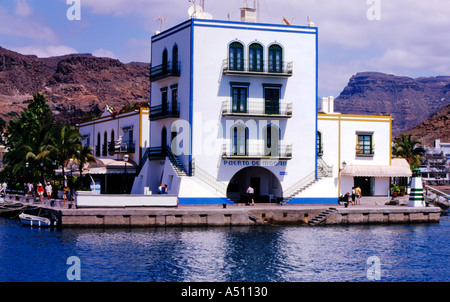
[(125, 159)]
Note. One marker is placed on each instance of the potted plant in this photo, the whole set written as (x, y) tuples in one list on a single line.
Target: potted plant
[(395, 190)]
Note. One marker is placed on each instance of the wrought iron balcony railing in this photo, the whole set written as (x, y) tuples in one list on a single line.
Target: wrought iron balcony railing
[(261, 68), (168, 69), (165, 111), (262, 108), (257, 150)]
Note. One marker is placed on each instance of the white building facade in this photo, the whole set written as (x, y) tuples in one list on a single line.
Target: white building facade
[(234, 104), (118, 142)]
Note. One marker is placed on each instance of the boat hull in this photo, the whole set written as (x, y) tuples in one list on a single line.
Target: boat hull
[(31, 220)]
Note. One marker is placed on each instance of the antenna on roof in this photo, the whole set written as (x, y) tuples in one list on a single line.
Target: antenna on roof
[(196, 12), (160, 20)]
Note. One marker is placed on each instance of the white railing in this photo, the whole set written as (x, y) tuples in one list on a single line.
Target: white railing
[(209, 180), (256, 109), (256, 150), (299, 186)]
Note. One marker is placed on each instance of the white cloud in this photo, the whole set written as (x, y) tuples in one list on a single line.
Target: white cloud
[(45, 51), (23, 9), (104, 53), (25, 28)]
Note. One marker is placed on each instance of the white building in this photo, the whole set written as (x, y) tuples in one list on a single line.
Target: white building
[(435, 166), (119, 142), (234, 104)]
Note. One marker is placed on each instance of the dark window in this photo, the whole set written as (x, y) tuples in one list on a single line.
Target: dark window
[(236, 56), (275, 59), (256, 58)]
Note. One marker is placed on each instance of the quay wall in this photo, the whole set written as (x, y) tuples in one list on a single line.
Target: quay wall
[(241, 216)]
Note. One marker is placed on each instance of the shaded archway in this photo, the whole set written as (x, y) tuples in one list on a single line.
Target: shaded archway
[(266, 185)]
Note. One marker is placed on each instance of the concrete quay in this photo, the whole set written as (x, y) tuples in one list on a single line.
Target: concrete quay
[(370, 211)]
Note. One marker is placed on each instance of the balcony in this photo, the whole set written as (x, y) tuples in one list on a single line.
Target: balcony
[(257, 151), (121, 147), (166, 70), (170, 110), (243, 68), (257, 109)]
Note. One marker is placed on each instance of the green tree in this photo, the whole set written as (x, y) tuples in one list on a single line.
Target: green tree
[(408, 149), (27, 139), (64, 145), (82, 157)]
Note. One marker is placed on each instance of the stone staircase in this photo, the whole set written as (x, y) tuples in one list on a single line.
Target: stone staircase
[(322, 216), (323, 170)]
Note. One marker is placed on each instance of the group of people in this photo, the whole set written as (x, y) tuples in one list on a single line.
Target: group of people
[(162, 189), (354, 198), (39, 190)]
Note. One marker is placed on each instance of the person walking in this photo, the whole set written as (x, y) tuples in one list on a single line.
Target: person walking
[(49, 190), (40, 191), (250, 194)]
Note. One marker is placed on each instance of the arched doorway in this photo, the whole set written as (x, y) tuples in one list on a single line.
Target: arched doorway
[(266, 185)]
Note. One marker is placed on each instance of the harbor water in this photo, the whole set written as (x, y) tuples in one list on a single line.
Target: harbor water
[(387, 253)]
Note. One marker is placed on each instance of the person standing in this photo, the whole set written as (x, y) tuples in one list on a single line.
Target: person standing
[(3, 189), (49, 190), (353, 196), (358, 195), (250, 194), (40, 191)]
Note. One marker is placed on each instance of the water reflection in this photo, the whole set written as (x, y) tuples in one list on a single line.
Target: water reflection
[(264, 254)]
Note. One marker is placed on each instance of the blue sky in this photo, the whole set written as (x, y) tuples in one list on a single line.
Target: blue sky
[(401, 37)]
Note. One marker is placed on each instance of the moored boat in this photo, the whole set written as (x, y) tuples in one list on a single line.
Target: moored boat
[(32, 220)]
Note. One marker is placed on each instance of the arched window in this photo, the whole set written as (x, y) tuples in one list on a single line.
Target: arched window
[(275, 59), (97, 146), (256, 58), (165, 60), (105, 144), (236, 56), (271, 141), (175, 58), (239, 137), (112, 145)]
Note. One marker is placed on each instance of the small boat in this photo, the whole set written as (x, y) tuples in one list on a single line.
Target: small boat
[(11, 210), (32, 220)]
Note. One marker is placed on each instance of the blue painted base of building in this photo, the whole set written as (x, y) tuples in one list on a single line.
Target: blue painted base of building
[(203, 201), (219, 200), (314, 200)]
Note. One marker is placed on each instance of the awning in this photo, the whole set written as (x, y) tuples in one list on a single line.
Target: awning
[(102, 166), (399, 168), (111, 166)]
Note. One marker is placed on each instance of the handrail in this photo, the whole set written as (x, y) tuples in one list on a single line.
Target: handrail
[(208, 179), (440, 193), (299, 185)]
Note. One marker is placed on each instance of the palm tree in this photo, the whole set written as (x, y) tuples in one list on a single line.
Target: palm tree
[(83, 156), (407, 148), (64, 145)]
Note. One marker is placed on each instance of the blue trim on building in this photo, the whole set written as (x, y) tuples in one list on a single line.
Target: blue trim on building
[(314, 200), (191, 93), (203, 200), (317, 95)]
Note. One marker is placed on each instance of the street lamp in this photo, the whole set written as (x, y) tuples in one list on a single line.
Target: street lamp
[(125, 159)]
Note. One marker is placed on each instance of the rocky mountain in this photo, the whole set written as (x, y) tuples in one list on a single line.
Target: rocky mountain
[(409, 101), (435, 127), (75, 85)]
